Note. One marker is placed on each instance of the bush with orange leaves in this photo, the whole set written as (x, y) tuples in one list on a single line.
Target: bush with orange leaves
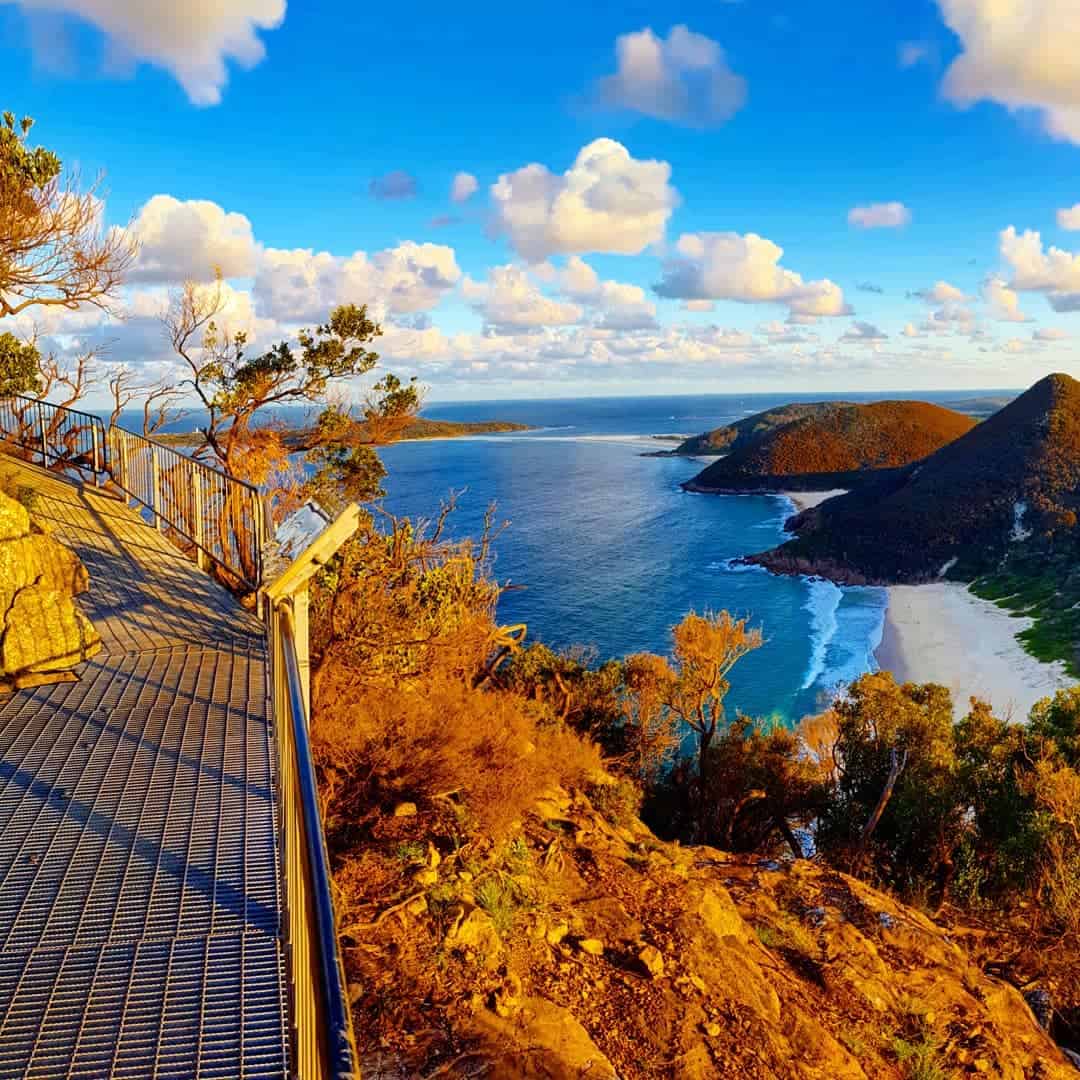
[(405, 638)]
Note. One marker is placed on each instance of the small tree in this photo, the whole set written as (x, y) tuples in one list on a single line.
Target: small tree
[(54, 251), (707, 647)]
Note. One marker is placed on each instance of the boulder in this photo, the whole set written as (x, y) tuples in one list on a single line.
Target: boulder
[(42, 631)]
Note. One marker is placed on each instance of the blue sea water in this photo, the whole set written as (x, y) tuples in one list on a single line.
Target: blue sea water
[(603, 548), (606, 550)]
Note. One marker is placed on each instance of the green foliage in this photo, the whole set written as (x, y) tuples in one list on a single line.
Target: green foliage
[(20, 371), (502, 900), (20, 167), (921, 1058)]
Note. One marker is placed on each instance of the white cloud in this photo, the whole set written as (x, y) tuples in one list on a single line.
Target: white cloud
[(890, 215), (1021, 54), (607, 201), (698, 305), (510, 299), (301, 285), (729, 266), (1050, 333), (193, 41), (463, 187), (941, 293), (179, 240), (684, 78), (911, 331), (1003, 302), (397, 184), (863, 333), (618, 306), (1069, 218), (1053, 271)]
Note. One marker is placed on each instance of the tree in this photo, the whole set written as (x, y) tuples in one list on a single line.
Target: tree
[(707, 647), (235, 389), (157, 400), (20, 366), (53, 249)]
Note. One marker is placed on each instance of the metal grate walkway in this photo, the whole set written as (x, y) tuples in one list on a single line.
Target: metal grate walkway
[(140, 896)]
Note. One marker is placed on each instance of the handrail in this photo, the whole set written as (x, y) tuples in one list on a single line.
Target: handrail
[(323, 1045), (218, 517), (67, 436)]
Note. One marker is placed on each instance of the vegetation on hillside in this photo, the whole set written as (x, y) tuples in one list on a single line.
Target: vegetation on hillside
[(836, 447), (463, 771), (741, 433)]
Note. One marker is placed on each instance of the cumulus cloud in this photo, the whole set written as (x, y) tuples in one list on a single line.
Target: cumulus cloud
[(863, 333), (463, 187), (193, 41), (684, 79), (607, 201), (511, 300), (1052, 271), (889, 215), (618, 306), (393, 185), (1002, 302), (941, 292), (870, 287), (1019, 53), (1050, 333), (730, 266), (300, 285), (179, 240), (699, 305), (1069, 218)]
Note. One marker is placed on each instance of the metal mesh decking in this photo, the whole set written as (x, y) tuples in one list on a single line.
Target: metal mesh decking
[(140, 905)]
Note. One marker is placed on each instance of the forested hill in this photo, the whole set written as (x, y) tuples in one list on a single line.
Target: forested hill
[(833, 447), (732, 437), (997, 507)]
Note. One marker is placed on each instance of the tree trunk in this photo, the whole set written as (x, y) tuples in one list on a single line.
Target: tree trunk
[(789, 836), (896, 767)]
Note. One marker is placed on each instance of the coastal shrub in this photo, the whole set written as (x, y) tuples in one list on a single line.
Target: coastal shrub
[(904, 833), (490, 754)]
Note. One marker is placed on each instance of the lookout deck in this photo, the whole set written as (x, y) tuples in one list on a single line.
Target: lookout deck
[(140, 876)]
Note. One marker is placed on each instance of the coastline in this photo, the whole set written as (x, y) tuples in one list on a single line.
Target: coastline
[(943, 633), (805, 500)]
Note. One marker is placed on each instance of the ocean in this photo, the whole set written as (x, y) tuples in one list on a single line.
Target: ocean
[(603, 549)]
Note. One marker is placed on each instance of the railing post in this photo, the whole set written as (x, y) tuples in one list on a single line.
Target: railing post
[(303, 650), (97, 454), (44, 437), (200, 538), (155, 484)]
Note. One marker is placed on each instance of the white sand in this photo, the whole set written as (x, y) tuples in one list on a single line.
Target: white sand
[(944, 634), (803, 500)]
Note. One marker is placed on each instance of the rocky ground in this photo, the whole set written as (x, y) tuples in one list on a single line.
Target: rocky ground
[(587, 947)]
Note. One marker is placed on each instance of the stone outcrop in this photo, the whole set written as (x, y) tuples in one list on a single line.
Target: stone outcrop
[(43, 633), (591, 948)]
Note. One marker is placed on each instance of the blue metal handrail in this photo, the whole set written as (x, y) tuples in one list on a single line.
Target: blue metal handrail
[(323, 1039)]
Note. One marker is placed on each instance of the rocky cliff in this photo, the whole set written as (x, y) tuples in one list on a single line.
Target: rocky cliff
[(43, 633), (588, 947)]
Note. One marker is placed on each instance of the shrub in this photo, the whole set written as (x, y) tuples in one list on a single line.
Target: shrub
[(483, 750)]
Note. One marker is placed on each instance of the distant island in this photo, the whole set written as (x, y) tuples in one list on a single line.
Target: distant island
[(827, 445), (419, 428)]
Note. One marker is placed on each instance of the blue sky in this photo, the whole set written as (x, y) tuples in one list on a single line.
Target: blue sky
[(768, 122)]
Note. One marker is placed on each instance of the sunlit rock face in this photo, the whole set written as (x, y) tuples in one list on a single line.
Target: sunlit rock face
[(43, 633)]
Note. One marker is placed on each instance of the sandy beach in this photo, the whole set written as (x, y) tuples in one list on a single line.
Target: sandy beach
[(803, 500), (942, 633)]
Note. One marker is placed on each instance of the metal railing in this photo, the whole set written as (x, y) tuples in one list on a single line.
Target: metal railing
[(221, 517), (215, 517), (322, 1041), (58, 435)]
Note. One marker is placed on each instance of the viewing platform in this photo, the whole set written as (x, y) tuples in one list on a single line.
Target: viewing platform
[(142, 915)]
